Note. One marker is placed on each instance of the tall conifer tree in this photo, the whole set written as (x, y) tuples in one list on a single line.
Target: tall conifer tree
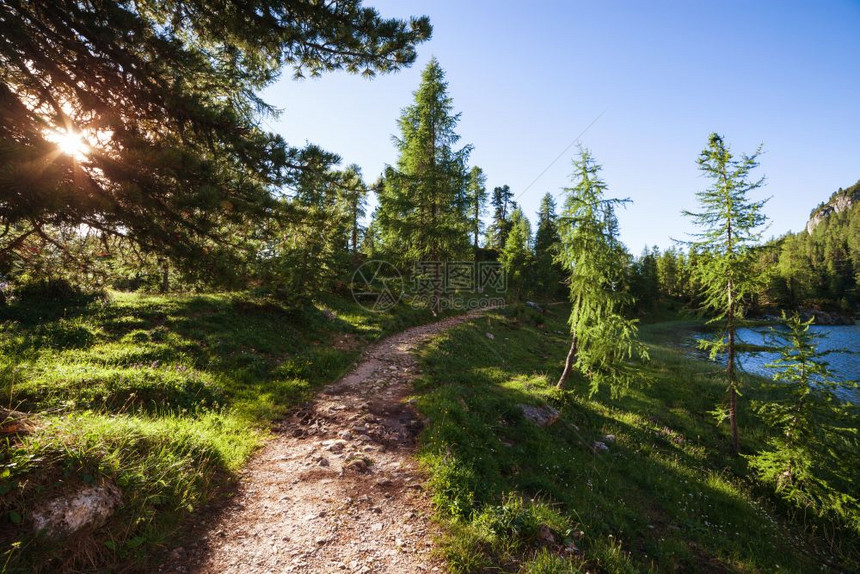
[(352, 199), (503, 204), (477, 197), (517, 257), (603, 339), (421, 215), (730, 226), (547, 271)]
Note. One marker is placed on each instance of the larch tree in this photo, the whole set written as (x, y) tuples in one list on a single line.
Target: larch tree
[(603, 340), (421, 209), (731, 224), (139, 120), (811, 457)]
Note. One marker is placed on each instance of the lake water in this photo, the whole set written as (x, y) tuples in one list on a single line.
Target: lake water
[(844, 361)]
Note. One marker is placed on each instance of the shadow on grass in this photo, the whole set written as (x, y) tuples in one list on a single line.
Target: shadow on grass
[(168, 354)]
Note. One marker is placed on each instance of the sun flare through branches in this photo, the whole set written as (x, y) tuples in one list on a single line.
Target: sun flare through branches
[(70, 143)]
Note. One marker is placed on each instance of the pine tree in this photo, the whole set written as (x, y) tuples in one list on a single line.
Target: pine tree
[(668, 273), (421, 209), (352, 199), (823, 262), (162, 96), (476, 191), (517, 258), (302, 254), (644, 281), (730, 224), (371, 241), (547, 228), (547, 272), (603, 340), (503, 205)]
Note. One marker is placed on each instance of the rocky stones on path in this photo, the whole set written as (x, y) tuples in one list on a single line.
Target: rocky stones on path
[(358, 462), (177, 553), (334, 446)]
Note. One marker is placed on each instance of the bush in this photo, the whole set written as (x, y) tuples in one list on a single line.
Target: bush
[(53, 292)]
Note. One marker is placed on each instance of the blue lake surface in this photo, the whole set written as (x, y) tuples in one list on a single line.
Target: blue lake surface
[(842, 340)]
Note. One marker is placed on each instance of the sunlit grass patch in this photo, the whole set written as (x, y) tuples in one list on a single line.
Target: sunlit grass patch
[(165, 468), (164, 396), (665, 496)]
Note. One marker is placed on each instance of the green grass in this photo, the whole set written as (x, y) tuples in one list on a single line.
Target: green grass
[(164, 396), (666, 497)]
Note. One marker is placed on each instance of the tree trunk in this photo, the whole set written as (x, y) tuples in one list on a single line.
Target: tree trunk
[(568, 364), (165, 277), (436, 303), (730, 324), (733, 393), (733, 415)]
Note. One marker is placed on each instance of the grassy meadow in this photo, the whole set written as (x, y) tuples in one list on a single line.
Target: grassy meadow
[(168, 396), (164, 396), (667, 496)]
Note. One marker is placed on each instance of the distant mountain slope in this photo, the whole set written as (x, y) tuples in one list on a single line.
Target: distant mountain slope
[(819, 268), (840, 201)]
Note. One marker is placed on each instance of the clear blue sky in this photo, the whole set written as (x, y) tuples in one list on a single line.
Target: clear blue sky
[(529, 77)]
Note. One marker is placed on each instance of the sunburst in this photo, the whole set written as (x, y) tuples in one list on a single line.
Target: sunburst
[(71, 143)]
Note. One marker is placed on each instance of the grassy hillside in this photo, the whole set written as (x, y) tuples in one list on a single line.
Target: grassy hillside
[(665, 497), (165, 397)]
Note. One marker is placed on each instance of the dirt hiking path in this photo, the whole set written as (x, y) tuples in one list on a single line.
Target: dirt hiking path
[(338, 488)]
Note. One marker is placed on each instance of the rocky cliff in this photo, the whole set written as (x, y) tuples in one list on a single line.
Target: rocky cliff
[(838, 202)]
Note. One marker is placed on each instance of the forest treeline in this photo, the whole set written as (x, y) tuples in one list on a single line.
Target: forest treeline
[(814, 268), (432, 205), (191, 193)]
